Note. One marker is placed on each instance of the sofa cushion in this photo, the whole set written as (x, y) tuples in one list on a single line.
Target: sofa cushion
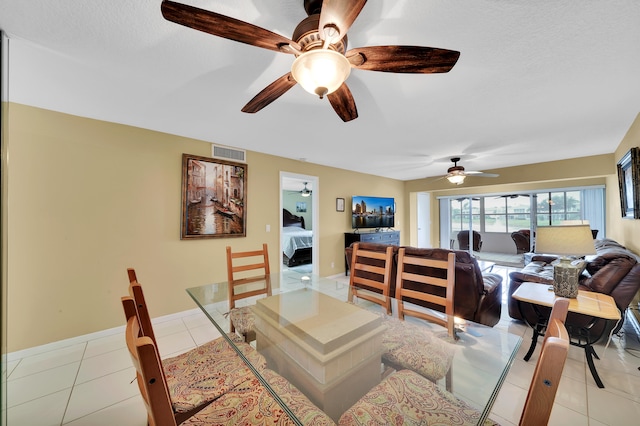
[(536, 271), (624, 292), (611, 269)]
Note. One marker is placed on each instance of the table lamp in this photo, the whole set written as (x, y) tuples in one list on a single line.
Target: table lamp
[(575, 240)]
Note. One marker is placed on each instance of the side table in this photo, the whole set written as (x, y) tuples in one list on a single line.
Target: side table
[(596, 305)]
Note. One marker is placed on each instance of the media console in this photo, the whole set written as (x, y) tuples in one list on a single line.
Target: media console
[(382, 237)]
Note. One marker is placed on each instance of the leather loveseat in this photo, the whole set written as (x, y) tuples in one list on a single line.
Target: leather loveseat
[(614, 270), (477, 297)]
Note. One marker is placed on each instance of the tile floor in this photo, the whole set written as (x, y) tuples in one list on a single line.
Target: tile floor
[(90, 381)]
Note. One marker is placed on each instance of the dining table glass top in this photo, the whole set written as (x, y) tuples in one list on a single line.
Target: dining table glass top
[(332, 350)]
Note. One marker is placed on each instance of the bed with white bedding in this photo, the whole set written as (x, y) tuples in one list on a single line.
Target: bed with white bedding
[(297, 241)]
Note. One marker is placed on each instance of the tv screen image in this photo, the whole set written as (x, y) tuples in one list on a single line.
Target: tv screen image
[(372, 212)]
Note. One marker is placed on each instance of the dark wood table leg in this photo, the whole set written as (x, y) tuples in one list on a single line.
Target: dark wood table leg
[(539, 328), (589, 354)]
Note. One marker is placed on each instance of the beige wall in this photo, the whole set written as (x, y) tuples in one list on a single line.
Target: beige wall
[(87, 199)]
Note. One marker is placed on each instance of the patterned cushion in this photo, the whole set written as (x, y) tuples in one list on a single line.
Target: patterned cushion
[(242, 319), (401, 341), (406, 398), (252, 404), (208, 371), (304, 409)]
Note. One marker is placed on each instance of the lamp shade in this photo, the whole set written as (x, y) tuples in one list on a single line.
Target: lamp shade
[(321, 71), (574, 240)]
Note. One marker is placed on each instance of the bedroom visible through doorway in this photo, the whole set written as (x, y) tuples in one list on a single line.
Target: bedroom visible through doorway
[(298, 222)]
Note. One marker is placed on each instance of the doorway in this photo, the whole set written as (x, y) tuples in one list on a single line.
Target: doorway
[(424, 219), (299, 222)]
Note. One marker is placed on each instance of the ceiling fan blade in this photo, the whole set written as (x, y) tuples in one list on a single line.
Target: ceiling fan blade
[(224, 26), (270, 93), (343, 104), (339, 13), (481, 174), (403, 59)]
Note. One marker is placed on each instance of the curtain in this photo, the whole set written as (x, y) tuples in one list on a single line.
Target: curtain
[(593, 209)]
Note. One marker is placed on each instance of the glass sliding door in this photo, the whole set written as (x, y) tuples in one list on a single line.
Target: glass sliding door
[(497, 216)]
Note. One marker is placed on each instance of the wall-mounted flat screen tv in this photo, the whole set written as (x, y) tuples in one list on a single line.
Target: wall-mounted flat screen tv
[(372, 212)]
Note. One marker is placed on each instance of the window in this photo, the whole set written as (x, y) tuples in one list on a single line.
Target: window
[(554, 208), (507, 213), (462, 210), (511, 212)]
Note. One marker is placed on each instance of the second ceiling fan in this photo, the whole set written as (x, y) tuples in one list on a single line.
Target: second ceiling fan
[(457, 174), (319, 43)]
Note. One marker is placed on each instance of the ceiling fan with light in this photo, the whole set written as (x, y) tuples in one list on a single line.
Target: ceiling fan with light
[(305, 192), (457, 174), (319, 43)]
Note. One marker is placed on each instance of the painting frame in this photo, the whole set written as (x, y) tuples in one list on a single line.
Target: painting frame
[(339, 204), (629, 184), (214, 198)]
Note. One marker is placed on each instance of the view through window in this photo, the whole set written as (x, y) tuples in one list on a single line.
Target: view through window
[(512, 212)]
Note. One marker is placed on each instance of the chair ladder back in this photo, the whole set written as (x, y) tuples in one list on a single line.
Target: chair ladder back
[(548, 371), (149, 375), (135, 291), (241, 268), (371, 276), (233, 269), (430, 282)]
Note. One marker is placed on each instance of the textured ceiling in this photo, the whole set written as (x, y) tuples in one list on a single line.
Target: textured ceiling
[(536, 81)]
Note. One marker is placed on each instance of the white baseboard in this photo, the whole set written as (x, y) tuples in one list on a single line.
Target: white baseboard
[(36, 350)]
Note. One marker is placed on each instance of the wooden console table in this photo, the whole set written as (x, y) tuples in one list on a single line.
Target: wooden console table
[(596, 305)]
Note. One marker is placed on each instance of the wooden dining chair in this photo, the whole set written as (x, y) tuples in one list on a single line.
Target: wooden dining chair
[(202, 374), (546, 376), (370, 276), (242, 283), (428, 280), (406, 397), (247, 403), (412, 346)]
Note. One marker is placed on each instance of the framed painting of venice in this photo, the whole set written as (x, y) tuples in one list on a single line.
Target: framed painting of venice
[(213, 198)]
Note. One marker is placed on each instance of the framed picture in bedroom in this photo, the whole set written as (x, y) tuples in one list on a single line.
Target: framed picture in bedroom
[(214, 194), (629, 184)]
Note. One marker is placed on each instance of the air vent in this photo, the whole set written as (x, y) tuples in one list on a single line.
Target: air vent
[(224, 152)]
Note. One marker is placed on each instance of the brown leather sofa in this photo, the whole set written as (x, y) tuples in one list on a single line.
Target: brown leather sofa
[(477, 297), (614, 270)]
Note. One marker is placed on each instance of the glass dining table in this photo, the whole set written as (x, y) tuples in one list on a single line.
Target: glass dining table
[(331, 350)]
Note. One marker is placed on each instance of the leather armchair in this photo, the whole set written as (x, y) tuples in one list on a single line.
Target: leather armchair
[(463, 240), (522, 241)]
